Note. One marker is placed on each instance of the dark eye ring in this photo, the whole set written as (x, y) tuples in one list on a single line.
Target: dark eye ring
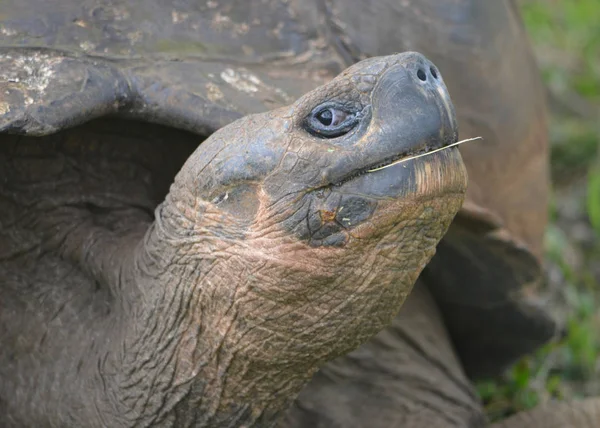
[(331, 121)]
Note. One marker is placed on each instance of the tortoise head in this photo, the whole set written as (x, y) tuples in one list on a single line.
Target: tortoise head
[(325, 250)]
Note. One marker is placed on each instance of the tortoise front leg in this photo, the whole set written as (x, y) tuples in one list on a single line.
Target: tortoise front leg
[(407, 376)]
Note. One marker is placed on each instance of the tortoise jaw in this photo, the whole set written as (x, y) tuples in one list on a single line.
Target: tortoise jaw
[(367, 206), (419, 151), (408, 178)]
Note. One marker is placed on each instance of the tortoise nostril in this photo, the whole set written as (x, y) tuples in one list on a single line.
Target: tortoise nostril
[(433, 72), (421, 75)]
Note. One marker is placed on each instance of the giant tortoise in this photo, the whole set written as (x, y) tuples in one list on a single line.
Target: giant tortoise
[(197, 215)]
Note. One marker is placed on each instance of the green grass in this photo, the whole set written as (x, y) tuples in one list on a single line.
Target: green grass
[(566, 39)]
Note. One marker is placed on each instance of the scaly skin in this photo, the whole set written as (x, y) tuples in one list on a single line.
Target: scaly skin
[(272, 253)]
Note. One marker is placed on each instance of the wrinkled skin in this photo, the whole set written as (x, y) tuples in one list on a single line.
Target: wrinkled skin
[(410, 376), (406, 376), (273, 252)]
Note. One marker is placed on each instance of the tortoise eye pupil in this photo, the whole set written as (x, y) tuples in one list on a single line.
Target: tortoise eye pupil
[(330, 121), (325, 117)]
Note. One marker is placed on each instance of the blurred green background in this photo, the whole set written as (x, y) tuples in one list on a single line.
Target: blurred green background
[(566, 39)]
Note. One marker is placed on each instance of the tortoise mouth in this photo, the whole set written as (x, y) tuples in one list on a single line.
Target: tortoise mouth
[(433, 175), (416, 151)]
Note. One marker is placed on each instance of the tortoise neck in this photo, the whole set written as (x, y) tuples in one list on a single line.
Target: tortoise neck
[(186, 304)]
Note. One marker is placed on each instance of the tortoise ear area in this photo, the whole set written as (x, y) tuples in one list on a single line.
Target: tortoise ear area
[(240, 203)]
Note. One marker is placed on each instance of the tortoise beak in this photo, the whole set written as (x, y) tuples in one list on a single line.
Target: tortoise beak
[(411, 113), (412, 106)]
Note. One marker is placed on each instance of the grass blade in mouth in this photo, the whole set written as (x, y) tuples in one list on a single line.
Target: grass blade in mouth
[(420, 155)]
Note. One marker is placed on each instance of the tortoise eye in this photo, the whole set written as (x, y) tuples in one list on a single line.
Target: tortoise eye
[(331, 121)]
